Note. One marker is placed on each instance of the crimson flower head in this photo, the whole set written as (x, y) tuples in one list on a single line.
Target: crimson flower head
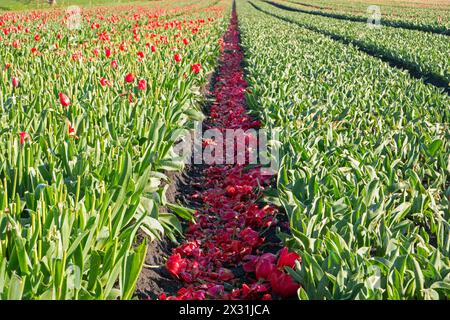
[(175, 264), (196, 68), (65, 101), (177, 57), (186, 41), (37, 37), (107, 52), (153, 48), (114, 64), (283, 284), (129, 78), (250, 237), (15, 82), (142, 84), (24, 136), (162, 296), (140, 55), (104, 82), (265, 266), (287, 258)]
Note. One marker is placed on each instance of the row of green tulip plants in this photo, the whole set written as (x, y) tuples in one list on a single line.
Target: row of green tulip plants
[(86, 119), (424, 52), (364, 163), (430, 18)]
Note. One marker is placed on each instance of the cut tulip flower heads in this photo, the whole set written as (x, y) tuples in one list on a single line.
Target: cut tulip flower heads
[(229, 227)]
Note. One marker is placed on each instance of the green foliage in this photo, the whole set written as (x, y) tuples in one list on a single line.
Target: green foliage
[(365, 163), (430, 16), (72, 204), (426, 52)]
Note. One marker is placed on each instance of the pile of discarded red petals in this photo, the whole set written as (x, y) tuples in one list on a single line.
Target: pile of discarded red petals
[(227, 234)]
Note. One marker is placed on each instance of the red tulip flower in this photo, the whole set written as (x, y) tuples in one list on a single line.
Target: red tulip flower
[(140, 55), (129, 78), (153, 48), (104, 82), (186, 41), (24, 136), (175, 264), (283, 284), (287, 258), (114, 64), (65, 101), (265, 266), (15, 82), (264, 269), (142, 84), (250, 237), (177, 57), (196, 68)]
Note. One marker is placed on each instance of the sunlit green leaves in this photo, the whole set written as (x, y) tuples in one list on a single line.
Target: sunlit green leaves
[(364, 162), (71, 204)]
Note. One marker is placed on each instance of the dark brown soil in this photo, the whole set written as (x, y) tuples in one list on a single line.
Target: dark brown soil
[(154, 278)]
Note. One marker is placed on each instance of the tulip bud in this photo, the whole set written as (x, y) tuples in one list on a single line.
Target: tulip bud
[(177, 57), (129, 78), (15, 82), (64, 100)]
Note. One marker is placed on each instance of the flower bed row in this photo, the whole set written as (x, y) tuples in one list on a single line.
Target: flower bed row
[(221, 256)]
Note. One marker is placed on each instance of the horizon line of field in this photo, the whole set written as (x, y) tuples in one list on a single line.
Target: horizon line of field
[(348, 5), (427, 78), (103, 4), (340, 16)]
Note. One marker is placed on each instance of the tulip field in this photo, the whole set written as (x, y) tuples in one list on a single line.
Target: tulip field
[(82, 158), (96, 95)]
